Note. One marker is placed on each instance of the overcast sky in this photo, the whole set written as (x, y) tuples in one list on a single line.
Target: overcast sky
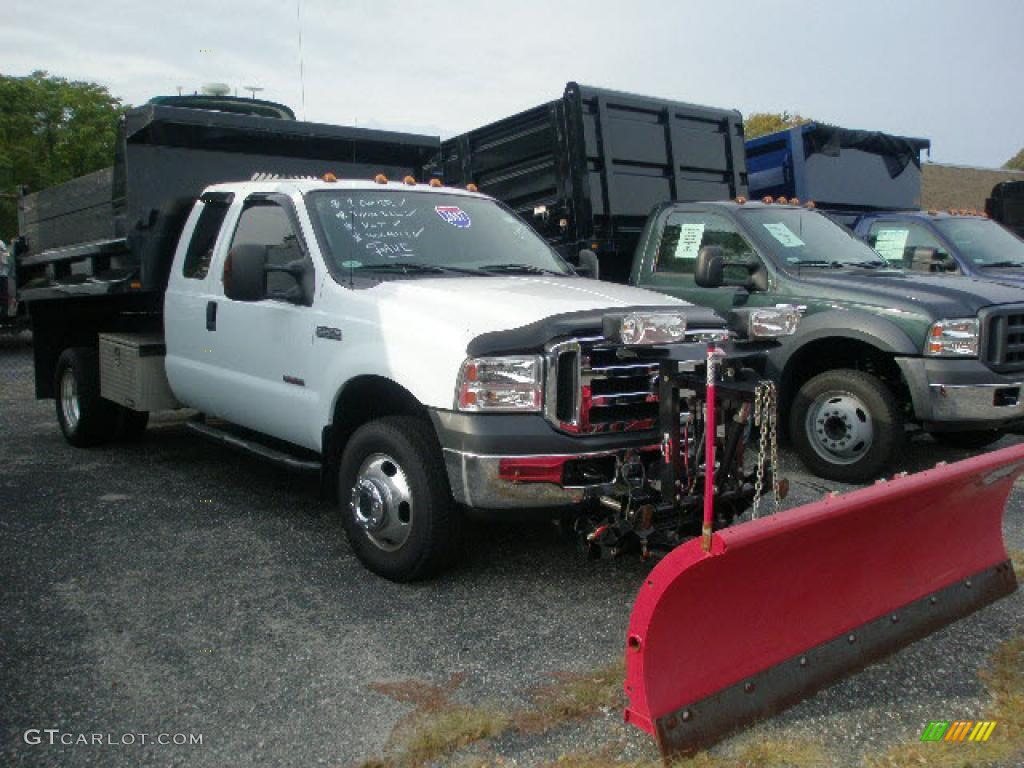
[(947, 70)]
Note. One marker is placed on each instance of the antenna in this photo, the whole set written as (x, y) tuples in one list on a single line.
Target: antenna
[(179, 90), (253, 89), (302, 75)]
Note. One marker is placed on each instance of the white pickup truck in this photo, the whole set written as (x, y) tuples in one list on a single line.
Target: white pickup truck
[(419, 345)]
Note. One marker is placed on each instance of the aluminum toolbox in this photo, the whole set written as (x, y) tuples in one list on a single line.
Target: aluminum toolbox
[(132, 371)]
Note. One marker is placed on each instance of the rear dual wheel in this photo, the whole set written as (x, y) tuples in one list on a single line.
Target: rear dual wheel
[(84, 417)]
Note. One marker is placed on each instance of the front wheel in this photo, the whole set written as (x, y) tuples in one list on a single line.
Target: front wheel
[(396, 505), (846, 425)]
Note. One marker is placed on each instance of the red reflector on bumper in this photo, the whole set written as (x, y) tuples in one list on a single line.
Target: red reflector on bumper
[(533, 469)]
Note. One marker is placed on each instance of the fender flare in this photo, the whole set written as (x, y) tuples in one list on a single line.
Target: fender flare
[(853, 325)]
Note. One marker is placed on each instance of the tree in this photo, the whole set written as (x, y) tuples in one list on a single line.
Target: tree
[(1015, 163), (51, 130), (761, 123)]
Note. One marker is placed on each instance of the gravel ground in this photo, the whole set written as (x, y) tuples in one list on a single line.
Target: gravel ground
[(176, 587)]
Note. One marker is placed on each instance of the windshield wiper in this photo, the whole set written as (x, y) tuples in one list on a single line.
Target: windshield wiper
[(875, 264), (409, 268), (521, 269), (998, 264)]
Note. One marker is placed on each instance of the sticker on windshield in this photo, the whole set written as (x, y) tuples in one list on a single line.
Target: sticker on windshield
[(453, 215), (784, 235), (690, 237), (891, 243)]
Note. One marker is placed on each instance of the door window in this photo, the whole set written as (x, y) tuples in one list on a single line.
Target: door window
[(267, 223), (686, 233), (895, 241), (204, 237)]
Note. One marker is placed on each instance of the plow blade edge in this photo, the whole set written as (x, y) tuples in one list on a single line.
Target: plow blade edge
[(783, 605)]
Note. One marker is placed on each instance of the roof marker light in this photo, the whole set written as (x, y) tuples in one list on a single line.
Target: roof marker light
[(380, 178), (472, 187), (409, 180), (741, 200), (809, 205), (794, 201), (436, 183), (782, 201), (767, 200), (329, 177)]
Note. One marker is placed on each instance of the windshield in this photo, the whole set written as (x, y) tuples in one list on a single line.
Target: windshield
[(983, 241), (391, 232), (806, 238)]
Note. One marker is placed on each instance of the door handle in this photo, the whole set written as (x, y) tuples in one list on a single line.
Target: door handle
[(211, 315)]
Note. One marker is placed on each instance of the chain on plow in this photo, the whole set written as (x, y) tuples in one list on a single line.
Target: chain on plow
[(766, 420)]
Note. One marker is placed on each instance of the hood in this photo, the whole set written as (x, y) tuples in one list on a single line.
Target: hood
[(939, 296), (484, 304)]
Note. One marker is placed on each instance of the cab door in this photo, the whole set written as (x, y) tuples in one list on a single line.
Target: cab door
[(670, 261), (264, 349)]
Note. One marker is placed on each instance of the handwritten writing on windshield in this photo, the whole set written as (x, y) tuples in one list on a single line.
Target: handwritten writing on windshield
[(383, 226)]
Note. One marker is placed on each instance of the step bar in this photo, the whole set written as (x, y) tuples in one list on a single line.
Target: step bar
[(253, 447)]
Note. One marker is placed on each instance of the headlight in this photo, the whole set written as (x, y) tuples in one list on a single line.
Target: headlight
[(953, 338), (501, 384), (766, 322), (638, 328)]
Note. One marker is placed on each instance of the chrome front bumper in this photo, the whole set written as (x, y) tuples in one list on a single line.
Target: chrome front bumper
[(476, 482), (976, 402), (962, 394)]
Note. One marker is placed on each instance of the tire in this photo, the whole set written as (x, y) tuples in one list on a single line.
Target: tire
[(85, 418), (970, 440), (132, 423), (396, 505), (846, 425)]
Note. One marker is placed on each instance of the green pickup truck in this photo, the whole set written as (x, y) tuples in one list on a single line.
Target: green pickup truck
[(878, 350)]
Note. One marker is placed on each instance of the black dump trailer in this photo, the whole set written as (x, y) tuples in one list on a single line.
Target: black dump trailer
[(587, 169), (96, 250), (839, 169), (1006, 205)]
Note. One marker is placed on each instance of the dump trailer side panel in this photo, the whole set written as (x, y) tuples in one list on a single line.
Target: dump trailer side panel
[(587, 169), (837, 168)]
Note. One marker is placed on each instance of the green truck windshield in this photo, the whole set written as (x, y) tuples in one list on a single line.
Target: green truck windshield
[(426, 233), (984, 242), (806, 238)]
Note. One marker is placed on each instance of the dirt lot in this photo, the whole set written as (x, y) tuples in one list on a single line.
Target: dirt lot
[(175, 587)]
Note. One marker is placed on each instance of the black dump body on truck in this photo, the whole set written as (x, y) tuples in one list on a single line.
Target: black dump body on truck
[(587, 169), (1007, 205), (96, 251)]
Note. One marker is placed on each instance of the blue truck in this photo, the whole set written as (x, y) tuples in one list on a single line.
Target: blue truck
[(871, 182)]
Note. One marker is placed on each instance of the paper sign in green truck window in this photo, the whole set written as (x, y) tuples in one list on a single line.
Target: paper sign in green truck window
[(690, 237), (891, 243), (784, 235)]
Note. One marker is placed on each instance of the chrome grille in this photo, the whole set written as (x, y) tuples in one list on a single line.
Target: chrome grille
[(591, 390), (1004, 339)]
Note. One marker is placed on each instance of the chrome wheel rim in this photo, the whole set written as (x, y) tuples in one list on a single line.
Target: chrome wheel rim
[(839, 427), (69, 399), (381, 502)]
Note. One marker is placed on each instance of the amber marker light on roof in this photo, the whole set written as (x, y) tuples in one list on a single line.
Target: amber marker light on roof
[(380, 178), (436, 183), (329, 177), (794, 201), (767, 200), (409, 180), (782, 201), (472, 188), (809, 205), (741, 200)]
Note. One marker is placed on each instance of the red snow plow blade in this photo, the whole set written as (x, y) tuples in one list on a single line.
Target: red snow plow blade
[(783, 605)]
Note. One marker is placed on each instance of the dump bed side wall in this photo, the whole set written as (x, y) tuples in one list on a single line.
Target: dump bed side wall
[(601, 160), (779, 165), (76, 211)]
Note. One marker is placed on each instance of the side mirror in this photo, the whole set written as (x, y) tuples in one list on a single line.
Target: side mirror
[(299, 270), (709, 271), (588, 265), (245, 277)]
